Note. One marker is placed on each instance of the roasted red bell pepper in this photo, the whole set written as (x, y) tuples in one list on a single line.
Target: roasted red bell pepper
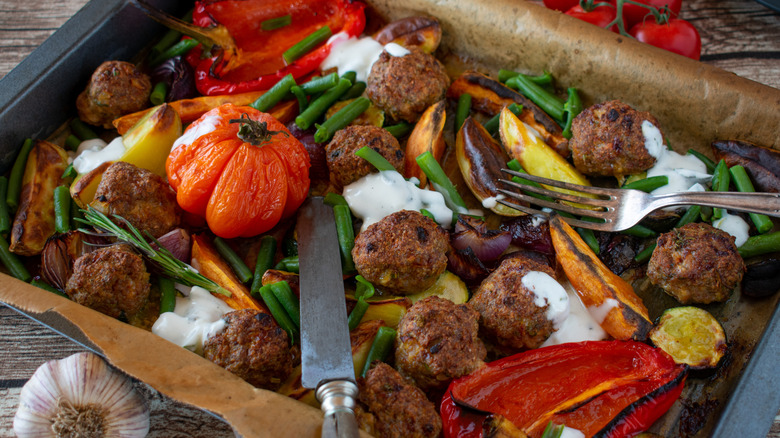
[(261, 64), (605, 388)]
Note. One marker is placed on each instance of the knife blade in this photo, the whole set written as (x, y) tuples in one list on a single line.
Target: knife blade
[(326, 354)]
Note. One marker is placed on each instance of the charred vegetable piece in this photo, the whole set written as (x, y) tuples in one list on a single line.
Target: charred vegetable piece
[(207, 261), (427, 136), (762, 164), (490, 96), (597, 286), (601, 388), (762, 277), (34, 220), (481, 159), (190, 110), (371, 116), (534, 155), (691, 336), (422, 32)]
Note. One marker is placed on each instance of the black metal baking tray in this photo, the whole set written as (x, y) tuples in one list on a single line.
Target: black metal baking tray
[(38, 96)]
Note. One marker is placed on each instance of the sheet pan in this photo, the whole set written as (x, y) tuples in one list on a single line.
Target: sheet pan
[(695, 104)]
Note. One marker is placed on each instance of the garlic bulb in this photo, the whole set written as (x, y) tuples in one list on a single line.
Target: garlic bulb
[(80, 397)]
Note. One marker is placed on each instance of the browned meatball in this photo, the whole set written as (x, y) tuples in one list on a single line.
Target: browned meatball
[(142, 197), (346, 167), (390, 407), (696, 263), (116, 88), (403, 253), (111, 280), (438, 341), (509, 316), (405, 86), (253, 347), (607, 140)]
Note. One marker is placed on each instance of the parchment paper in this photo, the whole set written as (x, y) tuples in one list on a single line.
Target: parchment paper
[(694, 103)]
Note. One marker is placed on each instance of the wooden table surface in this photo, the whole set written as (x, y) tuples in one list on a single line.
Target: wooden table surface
[(740, 36)]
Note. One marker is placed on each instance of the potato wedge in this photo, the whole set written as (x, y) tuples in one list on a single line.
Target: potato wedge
[(208, 262), (481, 159), (422, 32), (34, 220), (147, 145), (360, 340), (427, 136), (371, 116), (387, 309), (148, 142), (601, 291), (535, 156), (489, 96), (272, 276), (84, 187)]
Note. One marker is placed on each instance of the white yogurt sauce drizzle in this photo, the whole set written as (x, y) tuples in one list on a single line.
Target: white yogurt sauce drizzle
[(570, 432), (599, 313), (683, 171), (377, 195), (93, 153), (492, 201), (734, 225), (195, 319), (204, 126), (578, 326), (357, 54), (548, 292)]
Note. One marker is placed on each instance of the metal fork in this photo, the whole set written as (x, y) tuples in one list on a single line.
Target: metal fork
[(620, 209)]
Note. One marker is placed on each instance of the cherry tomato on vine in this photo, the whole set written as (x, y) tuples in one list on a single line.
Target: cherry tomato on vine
[(600, 16), (633, 14), (678, 36), (561, 5)]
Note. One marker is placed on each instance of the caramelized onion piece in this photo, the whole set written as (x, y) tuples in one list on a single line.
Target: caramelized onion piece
[(530, 232), (487, 245), (178, 242), (466, 265), (61, 251)]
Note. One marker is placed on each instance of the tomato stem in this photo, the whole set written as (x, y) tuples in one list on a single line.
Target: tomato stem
[(254, 132), (661, 15)]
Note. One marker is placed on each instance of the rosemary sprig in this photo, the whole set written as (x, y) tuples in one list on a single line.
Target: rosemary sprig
[(161, 257)]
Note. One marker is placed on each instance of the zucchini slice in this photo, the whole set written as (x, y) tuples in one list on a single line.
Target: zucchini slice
[(691, 336), (448, 286)]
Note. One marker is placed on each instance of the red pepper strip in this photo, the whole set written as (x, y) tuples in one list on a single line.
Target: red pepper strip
[(609, 388), (261, 64)]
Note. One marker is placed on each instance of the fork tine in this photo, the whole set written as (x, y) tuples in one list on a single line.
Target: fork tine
[(561, 184), (598, 226), (599, 214), (595, 202)]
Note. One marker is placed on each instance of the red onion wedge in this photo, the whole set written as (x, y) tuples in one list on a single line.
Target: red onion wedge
[(487, 245)]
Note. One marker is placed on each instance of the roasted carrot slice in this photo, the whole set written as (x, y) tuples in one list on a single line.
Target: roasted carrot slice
[(208, 262), (625, 315), (190, 110)]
